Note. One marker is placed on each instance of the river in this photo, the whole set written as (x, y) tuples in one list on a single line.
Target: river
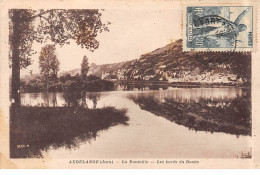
[(149, 135)]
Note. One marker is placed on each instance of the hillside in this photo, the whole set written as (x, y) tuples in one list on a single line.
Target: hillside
[(171, 64), (101, 70)]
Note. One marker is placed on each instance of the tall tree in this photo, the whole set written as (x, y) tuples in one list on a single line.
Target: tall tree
[(84, 68), (84, 72), (57, 25), (49, 64)]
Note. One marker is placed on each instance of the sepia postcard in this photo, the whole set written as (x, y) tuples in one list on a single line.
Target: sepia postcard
[(130, 84)]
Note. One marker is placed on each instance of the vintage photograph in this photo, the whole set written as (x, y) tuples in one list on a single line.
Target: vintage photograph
[(116, 83)]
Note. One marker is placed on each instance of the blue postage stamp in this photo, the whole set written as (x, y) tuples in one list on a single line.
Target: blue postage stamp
[(218, 28)]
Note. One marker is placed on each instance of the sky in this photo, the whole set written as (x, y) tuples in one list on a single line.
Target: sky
[(132, 33)]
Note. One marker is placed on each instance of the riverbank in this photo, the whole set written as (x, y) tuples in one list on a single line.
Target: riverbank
[(34, 129), (92, 84), (97, 85), (180, 84)]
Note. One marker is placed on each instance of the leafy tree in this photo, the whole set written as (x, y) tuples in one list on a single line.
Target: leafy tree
[(72, 93), (49, 64), (84, 68), (57, 25)]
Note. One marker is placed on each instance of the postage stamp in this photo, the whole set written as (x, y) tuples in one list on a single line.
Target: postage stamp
[(218, 28)]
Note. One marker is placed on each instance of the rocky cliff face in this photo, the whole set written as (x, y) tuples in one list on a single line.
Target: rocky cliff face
[(171, 64)]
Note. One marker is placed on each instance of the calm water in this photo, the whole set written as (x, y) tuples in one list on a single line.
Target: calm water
[(147, 135)]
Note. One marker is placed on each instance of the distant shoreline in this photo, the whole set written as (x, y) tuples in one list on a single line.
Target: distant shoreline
[(128, 85), (181, 84)]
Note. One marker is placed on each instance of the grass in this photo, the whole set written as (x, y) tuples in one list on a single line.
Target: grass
[(232, 117), (34, 129)]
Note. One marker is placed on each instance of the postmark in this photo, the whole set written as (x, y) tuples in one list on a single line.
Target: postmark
[(218, 28)]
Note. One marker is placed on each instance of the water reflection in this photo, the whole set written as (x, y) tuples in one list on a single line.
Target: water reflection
[(195, 94), (140, 87), (94, 96), (50, 99), (216, 118), (91, 98), (203, 114), (208, 109), (150, 136), (86, 100)]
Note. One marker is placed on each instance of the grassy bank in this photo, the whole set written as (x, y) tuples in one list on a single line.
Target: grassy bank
[(233, 117), (34, 129)]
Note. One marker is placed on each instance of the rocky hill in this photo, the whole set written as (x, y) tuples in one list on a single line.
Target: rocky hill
[(102, 71), (171, 64)]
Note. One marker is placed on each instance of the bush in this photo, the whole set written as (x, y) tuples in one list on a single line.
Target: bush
[(92, 78), (72, 92), (100, 85), (69, 83)]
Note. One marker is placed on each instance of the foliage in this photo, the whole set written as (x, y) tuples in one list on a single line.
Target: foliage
[(72, 93), (56, 25), (91, 84), (59, 26), (84, 68), (22, 33), (100, 85), (49, 64), (92, 78)]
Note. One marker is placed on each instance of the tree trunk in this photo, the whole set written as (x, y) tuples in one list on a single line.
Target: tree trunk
[(54, 101), (47, 85), (16, 100)]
